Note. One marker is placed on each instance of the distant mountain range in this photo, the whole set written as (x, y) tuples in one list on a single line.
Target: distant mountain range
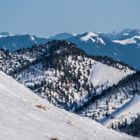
[(123, 46), (14, 42)]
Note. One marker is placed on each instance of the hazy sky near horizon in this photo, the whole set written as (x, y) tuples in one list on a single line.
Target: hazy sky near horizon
[(46, 17)]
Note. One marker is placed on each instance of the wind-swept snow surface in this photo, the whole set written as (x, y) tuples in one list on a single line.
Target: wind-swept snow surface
[(24, 116), (102, 74)]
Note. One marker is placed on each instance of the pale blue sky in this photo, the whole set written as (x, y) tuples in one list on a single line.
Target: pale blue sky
[(46, 17)]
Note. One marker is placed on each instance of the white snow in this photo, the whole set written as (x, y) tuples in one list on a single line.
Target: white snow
[(23, 119), (92, 37), (32, 38), (128, 41), (89, 36), (101, 40), (125, 34), (102, 74)]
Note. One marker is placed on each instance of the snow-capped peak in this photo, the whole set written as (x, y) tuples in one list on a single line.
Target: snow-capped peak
[(88, 36), (94, 38), (32, 38), (91, 34)]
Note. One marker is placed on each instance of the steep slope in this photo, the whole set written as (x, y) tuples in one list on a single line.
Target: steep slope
[(26, 116), (62, 73)]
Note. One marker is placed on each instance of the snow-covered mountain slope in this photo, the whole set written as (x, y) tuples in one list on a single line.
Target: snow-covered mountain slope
[(129, 93), (91, 37), (127, 37), (62, 73), (128, 112), (15, 42), (119, 107), (102, 74), (88, 37), (115, 100), (132, 40), (127, 118), (26, 116)]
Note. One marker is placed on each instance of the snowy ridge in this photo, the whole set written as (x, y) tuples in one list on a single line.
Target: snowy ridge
[(132, 40), (88, 36), (26, 116), (91, 37)]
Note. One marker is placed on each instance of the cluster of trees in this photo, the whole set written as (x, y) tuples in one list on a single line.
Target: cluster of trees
[(14, 62), (73, 82)]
